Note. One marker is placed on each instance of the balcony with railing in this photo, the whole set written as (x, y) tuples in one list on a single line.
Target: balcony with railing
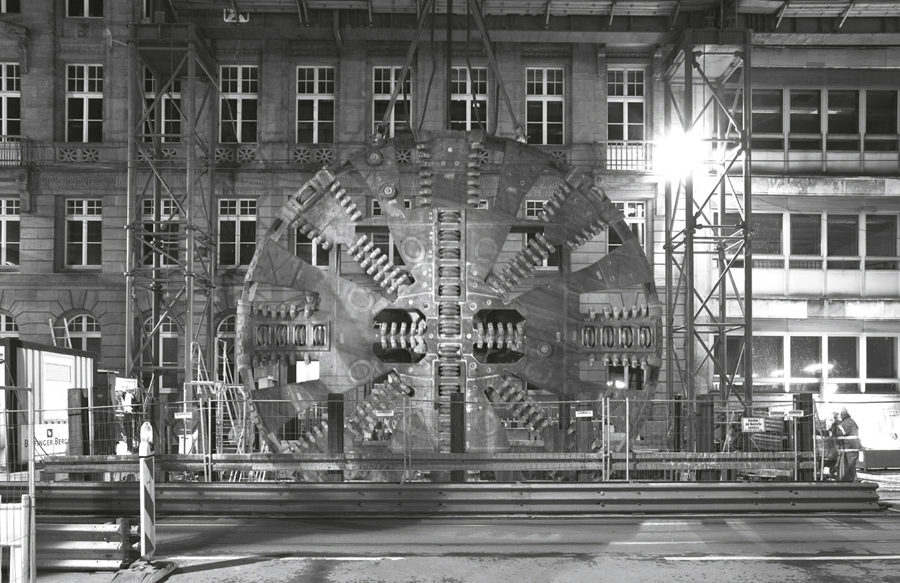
[(626, 156)]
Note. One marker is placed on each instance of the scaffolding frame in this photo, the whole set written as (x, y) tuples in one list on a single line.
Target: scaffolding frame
[(170, 275), (696, 349)]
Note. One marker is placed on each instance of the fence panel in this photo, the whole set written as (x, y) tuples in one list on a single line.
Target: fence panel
[(507, 435), (17, 447)]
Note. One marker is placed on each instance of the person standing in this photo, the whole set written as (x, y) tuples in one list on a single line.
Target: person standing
[(847, 437)]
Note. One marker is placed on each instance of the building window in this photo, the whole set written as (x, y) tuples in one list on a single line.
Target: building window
[(84, 332), (10, 6), (84, 103), (384, 79), (842, 241), (534, 208), (226, 335), (805, 120), (9, 232), (10, 102), (8, 326), (84, 8), (310, 251), (625, 105), (843, 121), (169, 104), (767, 117), (881, 121), (806, 239), (315, 105), (635, 214), (84, 232), (161, 237), (854, 120), (237, 231), (238, 107), (819, 363), (544, 102), (881, 364), (882, 239), (166, 346), (468, 99)]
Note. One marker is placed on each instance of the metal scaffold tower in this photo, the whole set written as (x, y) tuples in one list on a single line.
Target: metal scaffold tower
[(173, 105), (709, 217)]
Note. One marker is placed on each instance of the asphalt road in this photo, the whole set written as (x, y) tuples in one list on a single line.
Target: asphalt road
[(752, 549)]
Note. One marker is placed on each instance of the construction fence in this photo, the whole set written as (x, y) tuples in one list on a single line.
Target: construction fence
[(223, 435), (17, 475)]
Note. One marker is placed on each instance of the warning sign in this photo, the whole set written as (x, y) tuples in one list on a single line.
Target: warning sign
[(753, 424)]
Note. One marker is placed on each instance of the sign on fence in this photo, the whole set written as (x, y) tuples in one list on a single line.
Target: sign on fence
[(50, 439), (753, 424)]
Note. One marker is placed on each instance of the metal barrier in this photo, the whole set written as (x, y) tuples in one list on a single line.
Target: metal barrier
[(114, 499), (86, 546), (17, 438), (506, 436)]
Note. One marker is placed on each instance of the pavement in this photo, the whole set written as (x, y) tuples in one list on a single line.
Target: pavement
[(773, 548)]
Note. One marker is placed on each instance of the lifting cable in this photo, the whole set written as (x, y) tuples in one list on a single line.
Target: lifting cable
[(473, 11)]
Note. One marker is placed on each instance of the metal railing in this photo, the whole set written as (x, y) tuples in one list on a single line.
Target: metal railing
[(626, 156)]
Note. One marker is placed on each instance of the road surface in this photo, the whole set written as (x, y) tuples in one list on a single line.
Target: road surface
[(753, 549)]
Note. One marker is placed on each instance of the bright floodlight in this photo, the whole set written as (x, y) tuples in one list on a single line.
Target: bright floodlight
[(677, 154)]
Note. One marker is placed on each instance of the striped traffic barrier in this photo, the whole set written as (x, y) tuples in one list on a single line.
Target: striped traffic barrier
[(148, 494)]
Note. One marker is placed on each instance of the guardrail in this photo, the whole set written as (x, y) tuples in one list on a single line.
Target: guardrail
[(618, 462), (115, 499), (72, 546)]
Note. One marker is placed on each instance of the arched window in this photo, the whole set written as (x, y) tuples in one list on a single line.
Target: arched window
[(84, 331), (226, 333), (8, 326)]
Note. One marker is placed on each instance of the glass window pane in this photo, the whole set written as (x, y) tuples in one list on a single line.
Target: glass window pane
[(881, 357), (635, 113), (881, 112), (767, 231), (248, 231), (768, 356), (734, 361), (806, 356), (843, 235), (843, 112), (842, 358), (326, 110), (767, 111), (806, 234), (805, 114), (881, 235), (881, 387)]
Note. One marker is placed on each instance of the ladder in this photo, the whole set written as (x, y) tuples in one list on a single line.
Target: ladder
[(60, 334)]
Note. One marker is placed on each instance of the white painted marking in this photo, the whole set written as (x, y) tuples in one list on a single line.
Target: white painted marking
[(264, 557), (341, 559), (663, 542), (822, 558)]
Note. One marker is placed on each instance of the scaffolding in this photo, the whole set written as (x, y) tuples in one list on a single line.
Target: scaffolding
[(171, 254), (703, 311)]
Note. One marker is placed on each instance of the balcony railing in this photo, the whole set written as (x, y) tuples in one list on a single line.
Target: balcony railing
[(626, 156), (11, 150)]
